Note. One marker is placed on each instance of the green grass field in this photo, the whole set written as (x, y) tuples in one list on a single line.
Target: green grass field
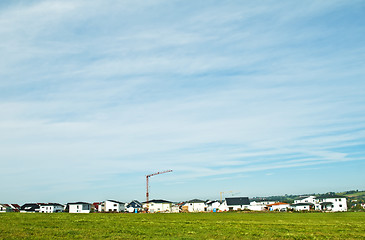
[(235, 225)]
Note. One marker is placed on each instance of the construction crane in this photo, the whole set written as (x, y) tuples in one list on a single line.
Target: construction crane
[(147, 184), (221, 193)]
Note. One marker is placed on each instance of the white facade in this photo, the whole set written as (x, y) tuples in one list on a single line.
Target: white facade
[(310, 199), (79, 207), (278, 206), (158, 206), (111, 206), (225, 207), (4, 208), (332, 204), (213, 205), (131, 209), (51, 208), (196, 206), (175, 209), (257, 206), (301, 207)]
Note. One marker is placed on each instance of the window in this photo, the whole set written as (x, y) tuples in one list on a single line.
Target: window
[(340, 205), (115, 205), (339, 199)]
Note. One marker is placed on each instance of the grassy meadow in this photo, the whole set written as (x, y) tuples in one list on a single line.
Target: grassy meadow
[(231, 225)]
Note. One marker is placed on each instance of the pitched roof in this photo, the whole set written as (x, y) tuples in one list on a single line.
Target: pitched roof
[(115, 201), (29, 207), (237, 201), (74, 203), (50, 204), (134, 204), (158, 201), (196, 201)]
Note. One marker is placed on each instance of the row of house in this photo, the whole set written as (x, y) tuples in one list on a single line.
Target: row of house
[(332, 203)]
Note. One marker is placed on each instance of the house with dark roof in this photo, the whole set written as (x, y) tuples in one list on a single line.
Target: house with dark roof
[(235, 203), (112, 206), (29, 208), (158, 205), (51, 207), (196, 205), (5, 208), (134, 206), (14, 207), (306, 199), (213, 205)]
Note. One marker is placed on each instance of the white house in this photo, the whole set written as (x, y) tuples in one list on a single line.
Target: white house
[(175, 209), (213, 206), (331, 203), (306, 199), (158, 205), (111, 206), (134, 206), (5, 208), (235, 203), (50, 207), (29, 208), (196, 205), (304, 206), (79, 207), (279, 206), (258, 206)]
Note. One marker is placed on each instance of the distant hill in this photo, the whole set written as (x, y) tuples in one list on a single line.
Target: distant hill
[(351, 195), (354, 194), (354, 198)]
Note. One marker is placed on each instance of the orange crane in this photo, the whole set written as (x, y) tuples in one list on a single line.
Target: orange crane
[(147, 185)]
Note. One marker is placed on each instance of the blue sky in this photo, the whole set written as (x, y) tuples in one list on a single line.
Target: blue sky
[(255, 97)]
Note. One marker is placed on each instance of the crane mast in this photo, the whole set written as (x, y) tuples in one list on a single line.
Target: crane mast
[(147, 183)]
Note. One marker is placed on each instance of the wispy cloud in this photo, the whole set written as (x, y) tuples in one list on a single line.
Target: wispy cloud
[(96, 93)]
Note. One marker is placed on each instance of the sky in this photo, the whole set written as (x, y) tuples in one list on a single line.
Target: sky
[(251, 98)]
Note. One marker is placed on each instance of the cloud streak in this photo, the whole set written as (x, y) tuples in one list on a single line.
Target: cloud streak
[(97, 95)]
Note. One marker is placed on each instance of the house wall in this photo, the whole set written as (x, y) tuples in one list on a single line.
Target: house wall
[(338, 204), (111, 206), (215, 205), (310, 199), (51, 209), (158, 207), (4, 208), (256, 207), (224, 207), (175, 209), (302, 208), (196, 207), (279, 207), (79, 208)]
